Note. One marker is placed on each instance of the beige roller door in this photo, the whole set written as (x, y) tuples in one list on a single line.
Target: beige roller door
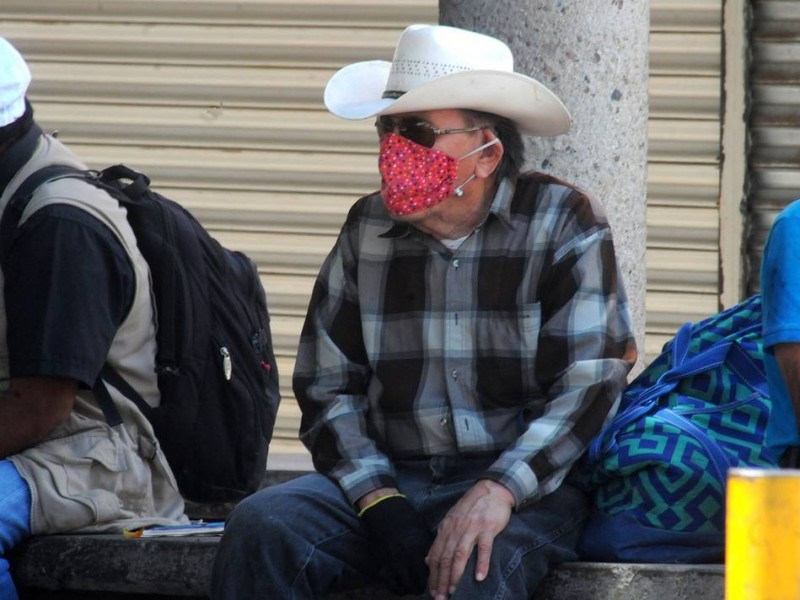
[(683, 166), (220, 102), (775, 122)]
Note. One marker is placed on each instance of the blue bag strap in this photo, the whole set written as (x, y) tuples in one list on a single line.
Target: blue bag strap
[(645, 401), (710, 358), (750, 373), (680, 343), (607, 437), (725, 351), (719, 459)]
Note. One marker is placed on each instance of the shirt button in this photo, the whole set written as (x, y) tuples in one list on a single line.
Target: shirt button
[(455, 263), (443, 421), (454, 374)]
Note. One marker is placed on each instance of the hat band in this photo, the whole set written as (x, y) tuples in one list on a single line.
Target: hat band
[(392, 94)]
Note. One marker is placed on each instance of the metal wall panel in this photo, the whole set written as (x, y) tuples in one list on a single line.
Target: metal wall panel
[(775, 121), (683, 166), (220, 102)]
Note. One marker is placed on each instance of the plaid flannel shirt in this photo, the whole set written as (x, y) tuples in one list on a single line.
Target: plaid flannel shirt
[(517, 345)]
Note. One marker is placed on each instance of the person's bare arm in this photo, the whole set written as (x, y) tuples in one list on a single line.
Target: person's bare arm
[(788, 358), (31, 408)]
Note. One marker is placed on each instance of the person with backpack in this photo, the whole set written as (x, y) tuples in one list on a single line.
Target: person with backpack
[(75, 297), (780, 295), (466, 338)]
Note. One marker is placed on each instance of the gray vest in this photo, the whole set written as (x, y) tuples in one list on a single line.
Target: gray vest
[(126, 481)]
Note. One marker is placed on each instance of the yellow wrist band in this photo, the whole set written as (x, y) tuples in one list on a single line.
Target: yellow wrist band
[(378, 501)]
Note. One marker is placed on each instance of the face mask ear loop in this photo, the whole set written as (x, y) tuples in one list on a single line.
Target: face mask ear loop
[(491, 142), (459, 191)]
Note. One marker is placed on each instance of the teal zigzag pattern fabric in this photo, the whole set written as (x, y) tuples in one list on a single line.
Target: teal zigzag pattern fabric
[(697, 410)]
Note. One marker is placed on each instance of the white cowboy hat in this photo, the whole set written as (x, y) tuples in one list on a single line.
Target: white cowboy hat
[(438, 67), (14, 80)]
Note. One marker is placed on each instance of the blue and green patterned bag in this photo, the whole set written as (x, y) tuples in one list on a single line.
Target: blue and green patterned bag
[(657, 473)]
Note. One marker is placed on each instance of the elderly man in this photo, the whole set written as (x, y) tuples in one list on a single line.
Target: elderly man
[(466, 338)]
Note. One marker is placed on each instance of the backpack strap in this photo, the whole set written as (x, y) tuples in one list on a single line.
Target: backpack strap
[(139, 183), (22, 197), (103, 396), (106, 403), (149, 221)]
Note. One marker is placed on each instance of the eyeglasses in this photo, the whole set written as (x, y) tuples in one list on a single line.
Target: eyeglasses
[(417, 131)]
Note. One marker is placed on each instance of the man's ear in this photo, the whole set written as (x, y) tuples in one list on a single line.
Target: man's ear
[(489, 158)]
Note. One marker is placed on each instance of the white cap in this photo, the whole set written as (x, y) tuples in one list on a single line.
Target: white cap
[(14, 80)]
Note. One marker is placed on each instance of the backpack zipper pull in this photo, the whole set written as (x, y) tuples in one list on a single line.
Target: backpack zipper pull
[(227, 365)]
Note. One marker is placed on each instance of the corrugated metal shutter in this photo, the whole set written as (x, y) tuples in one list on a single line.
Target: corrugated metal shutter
[(775, 122), (220, 103), (684, 166)]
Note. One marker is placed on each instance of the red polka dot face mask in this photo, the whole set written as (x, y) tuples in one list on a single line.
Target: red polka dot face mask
[(413, 177)]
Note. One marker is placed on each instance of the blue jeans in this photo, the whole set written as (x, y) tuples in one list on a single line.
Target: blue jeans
[(302, 539), (15, 511)]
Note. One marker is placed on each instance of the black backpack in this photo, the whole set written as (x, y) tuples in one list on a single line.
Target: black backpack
[(215, 361)]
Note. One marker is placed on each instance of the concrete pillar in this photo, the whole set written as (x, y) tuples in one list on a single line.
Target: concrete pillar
[(594, 55)]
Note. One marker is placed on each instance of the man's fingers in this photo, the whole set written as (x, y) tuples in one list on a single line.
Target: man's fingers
[(460, 557), (484, 557), (448, 563), (441, 586), (434, 572)]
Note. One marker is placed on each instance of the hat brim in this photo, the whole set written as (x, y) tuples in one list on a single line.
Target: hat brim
[(355, 92)]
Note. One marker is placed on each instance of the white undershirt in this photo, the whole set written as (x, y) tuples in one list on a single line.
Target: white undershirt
[(454, 244)]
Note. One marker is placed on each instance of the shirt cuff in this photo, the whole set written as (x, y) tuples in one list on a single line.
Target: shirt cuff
[(518, 477), (357, 484)]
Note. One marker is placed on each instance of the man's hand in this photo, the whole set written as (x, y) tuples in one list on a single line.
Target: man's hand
[(481, 514), (401, 538)]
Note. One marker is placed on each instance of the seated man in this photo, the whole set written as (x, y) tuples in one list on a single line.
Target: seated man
[(75, 296), (780, 288), (467, 336)]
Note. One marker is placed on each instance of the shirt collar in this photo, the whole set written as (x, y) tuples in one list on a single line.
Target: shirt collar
[(397, 230), (17, 155), (500, 207)]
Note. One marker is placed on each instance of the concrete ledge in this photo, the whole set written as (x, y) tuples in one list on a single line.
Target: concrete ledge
[(114, 568), (110, 567), (613, 581), (168, 567)]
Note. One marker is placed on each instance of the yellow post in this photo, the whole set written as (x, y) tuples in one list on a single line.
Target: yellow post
[(762, 544)]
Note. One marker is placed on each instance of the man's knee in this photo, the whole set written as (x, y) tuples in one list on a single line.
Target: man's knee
[(265, 510)]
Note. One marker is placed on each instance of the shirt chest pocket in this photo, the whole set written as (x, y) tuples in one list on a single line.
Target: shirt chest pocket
[(530, 317), (530, 323), (508, 342), (513, 332)]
